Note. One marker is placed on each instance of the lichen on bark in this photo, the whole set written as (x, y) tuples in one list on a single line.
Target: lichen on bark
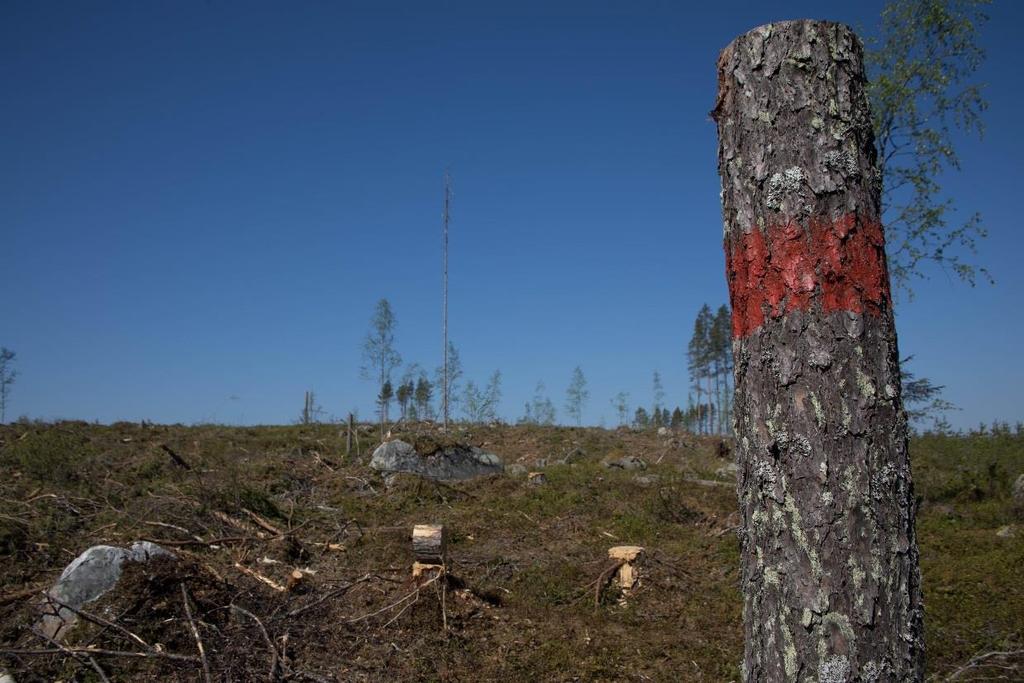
[(830, 563)]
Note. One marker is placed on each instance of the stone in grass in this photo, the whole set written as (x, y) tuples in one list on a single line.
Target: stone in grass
[(536, 479), (89, 576), (447, 464), (516, 470), (630, 462), (576, 455), (1018, 495)]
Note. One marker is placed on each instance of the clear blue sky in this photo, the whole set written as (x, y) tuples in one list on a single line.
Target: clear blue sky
[(200, 203)]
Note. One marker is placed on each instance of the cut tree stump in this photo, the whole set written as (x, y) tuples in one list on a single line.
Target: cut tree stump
[(629, 571), (430, 544)]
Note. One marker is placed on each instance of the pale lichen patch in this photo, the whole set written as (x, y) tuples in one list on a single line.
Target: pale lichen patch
[(781, 184), (866, 386), (819, 413), (834, 669), (789, 655), (796, 528)]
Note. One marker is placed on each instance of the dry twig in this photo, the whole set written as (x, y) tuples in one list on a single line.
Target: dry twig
[(79, 656), (195, 634), (274, 655)]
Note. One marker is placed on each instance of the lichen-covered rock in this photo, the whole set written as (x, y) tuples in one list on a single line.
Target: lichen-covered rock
[(88, 577), (449, 463), (516, 470), (1018, 492), (630, 462)]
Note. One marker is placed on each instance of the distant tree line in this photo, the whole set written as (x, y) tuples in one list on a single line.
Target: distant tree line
[(709, 359), (708, 407)]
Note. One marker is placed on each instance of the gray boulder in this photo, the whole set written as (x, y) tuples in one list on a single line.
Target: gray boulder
[(1018, 491), (630, 462), (451, 463), (89, 576)]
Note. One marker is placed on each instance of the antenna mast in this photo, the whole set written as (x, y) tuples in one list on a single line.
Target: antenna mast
[(444, 251)]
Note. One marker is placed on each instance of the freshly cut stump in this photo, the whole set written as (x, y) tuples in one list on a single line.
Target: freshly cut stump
[(430, 544), (629, 571)]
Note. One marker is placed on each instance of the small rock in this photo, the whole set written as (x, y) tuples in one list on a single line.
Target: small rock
[(630, 462), (541, 463), (536, 479), (646, 479), (727, 471), (516, 470), (1006, 531), (663, 431), (89, 576), (575, 455)]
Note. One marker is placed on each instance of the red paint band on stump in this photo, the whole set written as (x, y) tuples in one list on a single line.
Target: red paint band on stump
[(840, 263)]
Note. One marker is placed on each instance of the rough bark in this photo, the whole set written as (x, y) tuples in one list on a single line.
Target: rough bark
[(430, 544), (829, 555)]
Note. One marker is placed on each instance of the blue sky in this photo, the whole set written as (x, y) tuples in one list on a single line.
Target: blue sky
[(201, 203)]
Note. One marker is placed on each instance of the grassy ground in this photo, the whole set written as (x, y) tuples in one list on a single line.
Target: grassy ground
[(521, 604)]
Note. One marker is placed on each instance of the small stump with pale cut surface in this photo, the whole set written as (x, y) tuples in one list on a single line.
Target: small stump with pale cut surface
[(429, 548), (631, 556)]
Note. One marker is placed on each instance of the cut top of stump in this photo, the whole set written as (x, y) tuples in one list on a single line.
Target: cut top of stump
[(626, 553)]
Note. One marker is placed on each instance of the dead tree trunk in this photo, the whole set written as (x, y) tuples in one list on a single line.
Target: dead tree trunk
[(830, 563)]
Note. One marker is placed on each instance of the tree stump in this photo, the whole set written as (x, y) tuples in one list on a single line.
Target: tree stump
[(430, 544), (628, 573), (829, 554)]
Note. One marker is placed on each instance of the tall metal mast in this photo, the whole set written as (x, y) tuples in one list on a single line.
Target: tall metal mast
[(444, 250)]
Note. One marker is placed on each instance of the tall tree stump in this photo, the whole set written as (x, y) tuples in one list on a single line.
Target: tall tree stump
[(430, 544), (830, 563)]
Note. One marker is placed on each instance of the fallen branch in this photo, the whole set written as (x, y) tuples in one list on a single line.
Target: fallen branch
[(237, 523), (195, 634), (148, 654), (981, 661), (259, 577), (89, 660), (171, 526), (177, 459), (21, 594), (262, 523), (414, 595), (98, 620), (274, 656), (604, 579), (212, 541)]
